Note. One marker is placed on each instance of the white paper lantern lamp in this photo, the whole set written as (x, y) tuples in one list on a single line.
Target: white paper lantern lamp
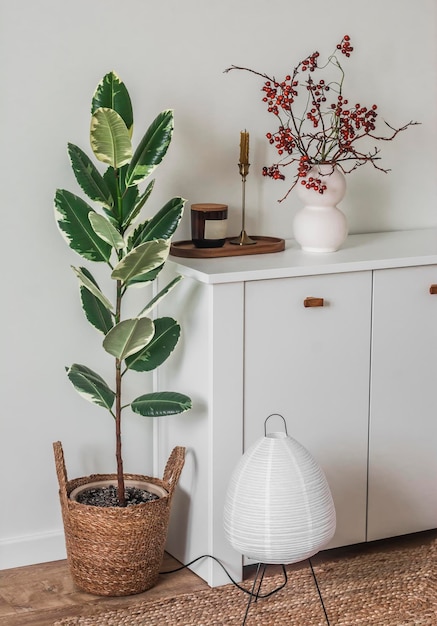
[(278, 507)]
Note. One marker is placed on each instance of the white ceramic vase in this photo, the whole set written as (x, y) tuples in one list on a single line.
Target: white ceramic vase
[(320, 226), (278, 507)]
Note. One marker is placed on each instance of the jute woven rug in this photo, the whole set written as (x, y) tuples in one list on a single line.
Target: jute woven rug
[(395, 588)]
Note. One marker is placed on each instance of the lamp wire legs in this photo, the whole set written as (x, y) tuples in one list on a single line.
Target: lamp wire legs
[(319, 592), (255, 592), (255, 595)]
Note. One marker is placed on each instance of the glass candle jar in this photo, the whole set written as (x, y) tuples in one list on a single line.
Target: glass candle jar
[(209, 224)]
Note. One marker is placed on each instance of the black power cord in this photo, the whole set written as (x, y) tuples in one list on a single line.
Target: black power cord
[(254, 595), (234, 582)]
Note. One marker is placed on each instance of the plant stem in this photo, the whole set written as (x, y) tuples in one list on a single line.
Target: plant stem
[(120, 478)]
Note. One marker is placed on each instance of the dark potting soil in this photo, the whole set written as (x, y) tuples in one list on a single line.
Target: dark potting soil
[(107, 496)]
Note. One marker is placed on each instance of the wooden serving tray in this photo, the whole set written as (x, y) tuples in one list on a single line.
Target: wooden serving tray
[(263, 245)]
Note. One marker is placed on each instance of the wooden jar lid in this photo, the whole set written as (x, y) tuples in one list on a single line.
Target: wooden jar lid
[(209, 206)]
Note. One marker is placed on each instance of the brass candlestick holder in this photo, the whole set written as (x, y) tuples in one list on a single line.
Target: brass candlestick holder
[(243, 239)]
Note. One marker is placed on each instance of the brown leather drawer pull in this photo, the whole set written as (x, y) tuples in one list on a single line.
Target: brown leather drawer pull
[(310, 301), (433, 289)]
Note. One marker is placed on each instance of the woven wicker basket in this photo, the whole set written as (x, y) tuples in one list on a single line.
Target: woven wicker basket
[(115, 551)]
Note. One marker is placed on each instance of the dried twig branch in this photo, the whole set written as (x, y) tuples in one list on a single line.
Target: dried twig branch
[(325, 128)]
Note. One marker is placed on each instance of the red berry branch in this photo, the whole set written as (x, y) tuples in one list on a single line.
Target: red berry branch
[(317, 124)]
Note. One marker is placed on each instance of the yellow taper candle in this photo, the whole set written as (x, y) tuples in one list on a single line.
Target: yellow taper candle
[(244, 147)]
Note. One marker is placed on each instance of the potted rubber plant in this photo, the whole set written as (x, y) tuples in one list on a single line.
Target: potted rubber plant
[(125, 552)]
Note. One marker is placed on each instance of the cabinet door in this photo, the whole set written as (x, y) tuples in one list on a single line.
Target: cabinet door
[(311, 365), (403, 420)]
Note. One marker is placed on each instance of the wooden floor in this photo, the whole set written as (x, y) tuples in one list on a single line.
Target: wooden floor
[(39, 595)]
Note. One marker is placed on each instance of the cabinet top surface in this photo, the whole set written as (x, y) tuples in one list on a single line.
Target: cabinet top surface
[(360, 252)]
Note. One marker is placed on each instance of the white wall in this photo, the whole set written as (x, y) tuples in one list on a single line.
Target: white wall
[(170, 54)]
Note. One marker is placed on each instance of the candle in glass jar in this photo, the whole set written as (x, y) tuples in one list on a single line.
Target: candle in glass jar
[(244, 147), (208, 224)]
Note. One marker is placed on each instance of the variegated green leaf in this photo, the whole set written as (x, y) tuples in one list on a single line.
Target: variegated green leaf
[(140, 261), (91, 386), (147, 277), (164, 223), (151, 149), (160, 295), (111, 93), (96, 313), (91, 285), (72, 217), (106, 231), (167, 333), (130, 216), (109, 138), (88, 177), (128, 337), (126, 198), (135, 238), (161, 403)]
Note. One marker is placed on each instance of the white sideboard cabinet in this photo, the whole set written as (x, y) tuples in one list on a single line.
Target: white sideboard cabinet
[(402, 496), (354, 377), (311, 365)]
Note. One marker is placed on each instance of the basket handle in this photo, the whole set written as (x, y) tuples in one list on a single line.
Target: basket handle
[(174, 468), (61, 470)]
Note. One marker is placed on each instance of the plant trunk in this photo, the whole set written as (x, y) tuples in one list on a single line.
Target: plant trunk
[(120, 477)]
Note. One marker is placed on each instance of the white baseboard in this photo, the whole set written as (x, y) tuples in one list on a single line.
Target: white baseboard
[(31, 549)]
